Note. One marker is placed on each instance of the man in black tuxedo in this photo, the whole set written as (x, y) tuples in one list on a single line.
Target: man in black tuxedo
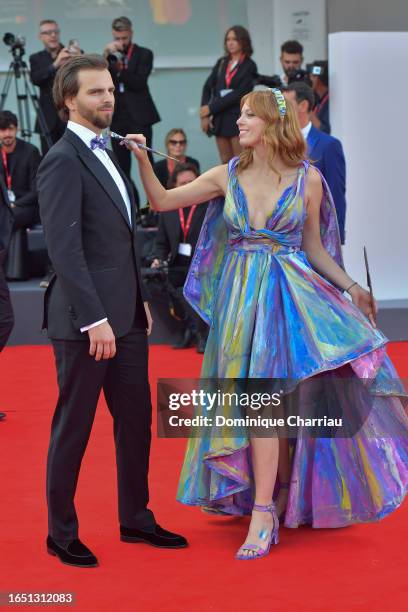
[(96, 313), (6, 311), (130, 67), (43, 68)]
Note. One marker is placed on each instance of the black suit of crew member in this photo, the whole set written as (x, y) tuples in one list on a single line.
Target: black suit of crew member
[(6, 310), (130, 67), (19, 165), (43, 68), (94, 313)]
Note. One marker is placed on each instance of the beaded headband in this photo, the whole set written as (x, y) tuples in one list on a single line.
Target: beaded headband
[(280, 100)]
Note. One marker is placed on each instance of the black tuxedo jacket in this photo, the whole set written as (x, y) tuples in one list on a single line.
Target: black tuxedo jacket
[(6, 221), (134, 106), (43, 74), (23, 165), (90, 241), (169, 234)]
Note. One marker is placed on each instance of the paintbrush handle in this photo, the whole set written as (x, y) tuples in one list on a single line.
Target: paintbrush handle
[(142, 146)]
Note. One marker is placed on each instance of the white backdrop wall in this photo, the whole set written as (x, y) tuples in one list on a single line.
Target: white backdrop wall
[(368, 114)]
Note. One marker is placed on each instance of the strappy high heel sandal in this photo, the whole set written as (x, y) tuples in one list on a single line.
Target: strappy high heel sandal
[(270, 538)]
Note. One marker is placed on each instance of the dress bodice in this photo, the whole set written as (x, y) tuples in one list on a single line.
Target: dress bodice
[(283, 230)]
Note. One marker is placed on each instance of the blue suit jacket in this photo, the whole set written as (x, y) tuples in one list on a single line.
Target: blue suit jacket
[(326, 153)]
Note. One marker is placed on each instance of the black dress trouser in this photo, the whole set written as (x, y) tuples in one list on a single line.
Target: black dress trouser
[(124, 380)]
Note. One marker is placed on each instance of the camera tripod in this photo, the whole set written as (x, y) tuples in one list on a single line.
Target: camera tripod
[(18, 69)]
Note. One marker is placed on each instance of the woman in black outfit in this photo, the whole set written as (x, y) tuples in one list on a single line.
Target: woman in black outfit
[(176, 145), (231, 78)]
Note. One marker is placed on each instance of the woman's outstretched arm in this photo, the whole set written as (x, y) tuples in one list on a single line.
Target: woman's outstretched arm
[(211, 184), (319, 257)]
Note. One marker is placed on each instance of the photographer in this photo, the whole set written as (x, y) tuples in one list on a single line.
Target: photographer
[(319, 75), (291, 60), (175, 244), (43, 67), (130, 67)]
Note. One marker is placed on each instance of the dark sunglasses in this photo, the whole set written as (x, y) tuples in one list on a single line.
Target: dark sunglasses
[(177, 142)]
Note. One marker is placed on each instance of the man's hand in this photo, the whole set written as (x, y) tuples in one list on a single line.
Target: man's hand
[(102, 342), (111, 48), (149, 318), (156, 263), (205, 111), (63, 56)]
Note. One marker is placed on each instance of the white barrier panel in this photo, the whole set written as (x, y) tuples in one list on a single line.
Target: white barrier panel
[(369, 100)]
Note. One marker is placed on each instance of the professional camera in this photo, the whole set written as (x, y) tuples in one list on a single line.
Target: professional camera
[(268, 81), (17, 44), (294, 76)]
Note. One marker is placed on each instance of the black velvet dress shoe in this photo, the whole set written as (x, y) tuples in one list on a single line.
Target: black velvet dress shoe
[(2, 415), (157, 536), (75, 553)]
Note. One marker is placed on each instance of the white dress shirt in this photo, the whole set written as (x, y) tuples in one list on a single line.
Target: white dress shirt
[(306, 130), (86, 136)]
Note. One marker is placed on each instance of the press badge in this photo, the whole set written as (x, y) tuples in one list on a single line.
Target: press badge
[(185, 249), (11, 196), (121, 88), (225, 92)]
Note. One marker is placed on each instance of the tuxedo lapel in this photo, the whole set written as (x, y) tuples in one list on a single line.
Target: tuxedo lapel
[(100, 172), (129, 186)]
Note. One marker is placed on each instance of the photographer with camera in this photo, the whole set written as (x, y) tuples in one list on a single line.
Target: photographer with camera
[(291, 60), (174, 247), (130, 66), (319, 75), (43, 68)]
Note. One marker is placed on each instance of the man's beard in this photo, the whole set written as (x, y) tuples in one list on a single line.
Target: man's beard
[(93, 117)]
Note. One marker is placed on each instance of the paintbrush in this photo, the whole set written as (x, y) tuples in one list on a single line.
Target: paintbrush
[(141, 146), (369, 283)]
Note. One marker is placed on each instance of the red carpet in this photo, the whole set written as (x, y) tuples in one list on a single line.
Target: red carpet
[(359, 568)]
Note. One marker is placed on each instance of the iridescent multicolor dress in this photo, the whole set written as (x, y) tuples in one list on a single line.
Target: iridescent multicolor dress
[(271, 315)]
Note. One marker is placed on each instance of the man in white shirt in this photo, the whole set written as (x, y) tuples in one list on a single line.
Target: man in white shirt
[(96, 313)]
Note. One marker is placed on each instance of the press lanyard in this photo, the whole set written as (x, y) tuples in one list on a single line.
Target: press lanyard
[(322, 103), (185, 227), (172, 164), (127, 58), (8, 175), (232, 69)]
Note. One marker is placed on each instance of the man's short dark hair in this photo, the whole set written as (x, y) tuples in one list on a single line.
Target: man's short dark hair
[(7, 119), (121, 24), (293, 47), (66, 81), (302, 92), (186, 167)]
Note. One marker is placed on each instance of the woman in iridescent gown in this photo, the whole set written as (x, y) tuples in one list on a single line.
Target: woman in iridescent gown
[(268, 277)]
